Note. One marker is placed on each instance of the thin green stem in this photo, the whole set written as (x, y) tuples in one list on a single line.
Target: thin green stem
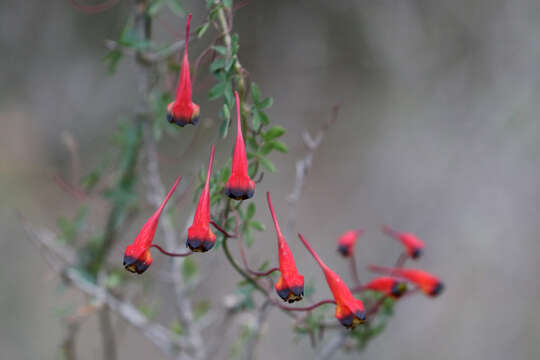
[(237, 267)]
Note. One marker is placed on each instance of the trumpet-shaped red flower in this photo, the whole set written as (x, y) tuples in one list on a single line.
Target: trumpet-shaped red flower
[(200, 236), (388, 286), (183, 110), (290, 286), (428, 283), (137, 256), (239, 186), (414, 246), (349, 311), (347, 241)]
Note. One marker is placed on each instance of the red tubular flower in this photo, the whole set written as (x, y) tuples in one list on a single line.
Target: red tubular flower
[(183, 110), (349, 311), (388, 286), (137, 256), (200, 236), (290, 286), (239, 186), (413, 245), (428, 283), (347, 241)]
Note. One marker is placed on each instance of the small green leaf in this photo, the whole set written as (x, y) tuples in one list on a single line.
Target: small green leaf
[(263, 117), (256, 119), (228, 3), (217, 91), (176, 327), (189, 268), (201, 29), (229, 95), (257, 225), (252, 143), (217, 65), (234, 44), (279, 146), (229, 64), (220, 49), (274, 132), (250, 211), (201, 308), (215, 11), (255, 93), (249, 237), (112, 58), (224, 128), (267, 164), (266, 103)]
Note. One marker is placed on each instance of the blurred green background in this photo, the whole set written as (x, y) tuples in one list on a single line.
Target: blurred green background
[(437, 135)]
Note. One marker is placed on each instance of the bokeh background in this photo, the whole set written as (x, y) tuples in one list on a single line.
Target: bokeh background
[(437, 135)]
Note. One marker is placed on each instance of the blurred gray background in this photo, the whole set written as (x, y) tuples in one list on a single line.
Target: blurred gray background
[(437, 135)]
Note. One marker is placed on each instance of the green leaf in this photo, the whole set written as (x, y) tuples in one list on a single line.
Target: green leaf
[(249, 237), (201, 29), (113, 280), (229, 95), (176, 7), (224, 128), (267, 164), (255, 93), (234, 44), (112, 59), (266, 103), (217, 65), (228, 3), (201, 308), (263, 117), (215, 11), (257, 225), (229, 64), (89, 181), (256, 119), (189, 268), (277, 145), (220, 49), (250, 211), (252, 143), (176, 327), (274, 132), (217, 91)]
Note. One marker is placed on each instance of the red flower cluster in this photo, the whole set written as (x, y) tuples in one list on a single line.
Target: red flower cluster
[(350, 311)]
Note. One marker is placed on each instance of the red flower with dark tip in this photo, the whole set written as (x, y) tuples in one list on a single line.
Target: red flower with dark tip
[(413, 245), (183, 110), (290, 286), (428, 283), (388, 286), (349, 311), (137, 256), (347, 241), (239, 186), (200, 236)]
